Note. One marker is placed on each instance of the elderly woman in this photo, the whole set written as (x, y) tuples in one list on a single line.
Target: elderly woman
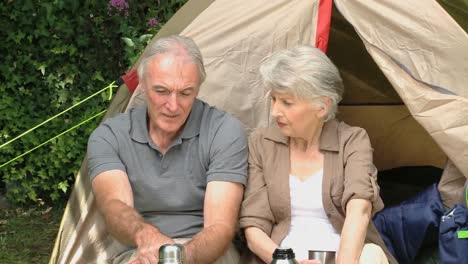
[(312, 184)]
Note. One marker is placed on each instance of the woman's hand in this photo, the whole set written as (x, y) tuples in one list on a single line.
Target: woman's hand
[(260, 243)]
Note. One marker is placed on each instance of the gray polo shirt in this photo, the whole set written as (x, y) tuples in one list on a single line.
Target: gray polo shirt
[(169, 190)]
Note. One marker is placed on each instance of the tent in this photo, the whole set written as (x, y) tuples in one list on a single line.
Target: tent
[(404, 64)]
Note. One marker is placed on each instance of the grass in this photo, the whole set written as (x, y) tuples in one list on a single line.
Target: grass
[(27, 235)]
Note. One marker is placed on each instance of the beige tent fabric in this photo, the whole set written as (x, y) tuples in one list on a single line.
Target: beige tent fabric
[(451, 185), (80, 234), (439, 56), (424, 57), (398, 140), (371, 102), (364, 81), (405, 31), (234, 43)]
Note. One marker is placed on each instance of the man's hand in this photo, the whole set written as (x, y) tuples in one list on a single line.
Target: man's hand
[(114, 198), (149, 240)]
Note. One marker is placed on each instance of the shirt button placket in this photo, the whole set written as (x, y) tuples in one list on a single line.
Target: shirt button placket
[(163, 161)]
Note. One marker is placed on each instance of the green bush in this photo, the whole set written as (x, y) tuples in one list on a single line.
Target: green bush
[(54, 54)]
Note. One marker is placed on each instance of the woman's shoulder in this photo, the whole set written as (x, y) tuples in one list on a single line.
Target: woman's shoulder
[(257, 136), (258, 132), (266, 140), (350, 134), (345, 129), (269, 134)]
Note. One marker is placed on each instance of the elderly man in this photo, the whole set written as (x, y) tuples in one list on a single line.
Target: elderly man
[(173, 170)]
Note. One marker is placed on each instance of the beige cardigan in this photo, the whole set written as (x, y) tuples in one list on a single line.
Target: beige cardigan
[(348, 173)]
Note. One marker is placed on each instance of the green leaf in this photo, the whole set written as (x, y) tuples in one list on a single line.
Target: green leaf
[(129, 42), (146, 37), (98, 76), (32, 195), (70, 78), (59, 50), (42, 68), (19, 36), (63, 186)]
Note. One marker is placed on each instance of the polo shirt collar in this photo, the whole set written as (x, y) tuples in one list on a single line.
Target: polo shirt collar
[(328, 138), (139, 124), (192, 125)]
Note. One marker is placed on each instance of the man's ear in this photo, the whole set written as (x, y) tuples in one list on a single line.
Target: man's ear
[(142, 87)]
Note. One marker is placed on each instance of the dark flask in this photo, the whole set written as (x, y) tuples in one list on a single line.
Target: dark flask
[(283, 256)]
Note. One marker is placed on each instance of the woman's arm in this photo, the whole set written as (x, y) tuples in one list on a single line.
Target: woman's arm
[(256, 217), (358, 214), (260, 243)]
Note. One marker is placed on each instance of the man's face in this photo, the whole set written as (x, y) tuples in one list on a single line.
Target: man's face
[(171, 84)]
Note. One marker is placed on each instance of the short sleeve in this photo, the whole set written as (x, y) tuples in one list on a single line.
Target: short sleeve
[(103, 152), (255, 209), (360, 174), (228, 153)]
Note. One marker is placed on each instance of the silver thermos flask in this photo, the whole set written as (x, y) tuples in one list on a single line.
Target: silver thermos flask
[(171, 254), (284, 256)]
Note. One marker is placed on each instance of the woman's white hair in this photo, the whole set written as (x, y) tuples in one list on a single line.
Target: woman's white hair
[(177, 45), (305, 72)]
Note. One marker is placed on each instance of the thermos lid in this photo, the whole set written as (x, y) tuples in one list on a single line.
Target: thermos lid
[(171, 253), (284, 253)]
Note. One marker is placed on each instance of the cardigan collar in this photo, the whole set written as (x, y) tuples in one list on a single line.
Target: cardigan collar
[(328, 137)]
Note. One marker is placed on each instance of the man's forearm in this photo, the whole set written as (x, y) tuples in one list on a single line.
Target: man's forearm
[(123, 222), (210, 244)]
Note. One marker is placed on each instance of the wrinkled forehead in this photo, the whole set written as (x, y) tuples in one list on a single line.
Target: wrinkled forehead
[(172, 65), (167, 60)]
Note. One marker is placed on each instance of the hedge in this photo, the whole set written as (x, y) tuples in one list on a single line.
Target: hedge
[(54, 54)]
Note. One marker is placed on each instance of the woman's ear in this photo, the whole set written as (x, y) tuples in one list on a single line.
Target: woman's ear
[(324, 107)]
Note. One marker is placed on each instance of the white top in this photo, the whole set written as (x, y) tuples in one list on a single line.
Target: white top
[(310, 228)]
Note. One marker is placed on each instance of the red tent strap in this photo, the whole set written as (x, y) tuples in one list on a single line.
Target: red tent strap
[(323, 24), (131, 80)]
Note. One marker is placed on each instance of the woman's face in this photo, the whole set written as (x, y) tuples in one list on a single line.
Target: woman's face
[(295, 117)]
